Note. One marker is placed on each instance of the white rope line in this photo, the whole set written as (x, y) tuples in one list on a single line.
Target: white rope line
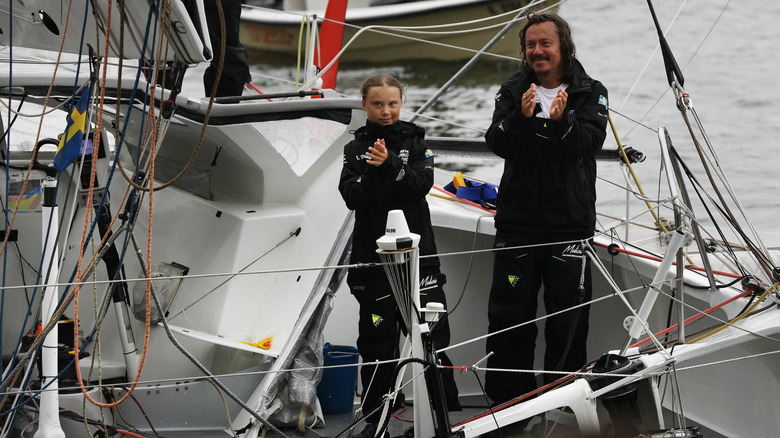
[(721, 321), (562, 373), (186, 380), (433, 26), (476, 368), (51, 109), (330, 267), (678, 368), (507, 248), (652, 55), (196, 276), (633, 120), (725, 361), (533, 321), (481, 131), (410, 30), (269, 271)]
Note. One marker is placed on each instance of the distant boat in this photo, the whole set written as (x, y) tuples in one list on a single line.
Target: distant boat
[(278, 31)]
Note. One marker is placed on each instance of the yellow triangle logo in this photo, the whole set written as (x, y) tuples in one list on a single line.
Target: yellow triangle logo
[(265, 344), (375, 318), (512, 280)]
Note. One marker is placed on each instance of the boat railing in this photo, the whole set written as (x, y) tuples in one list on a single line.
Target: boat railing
[(683, 216), (236, 99), (477, 147)]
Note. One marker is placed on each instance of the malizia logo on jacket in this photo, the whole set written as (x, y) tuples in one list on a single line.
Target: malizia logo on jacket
[(574, 250), (428, 282), (404, 156)]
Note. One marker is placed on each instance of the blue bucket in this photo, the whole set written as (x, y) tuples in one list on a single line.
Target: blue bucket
[(336, 390)]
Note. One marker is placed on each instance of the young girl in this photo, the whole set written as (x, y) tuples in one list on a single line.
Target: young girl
[(387, 167)]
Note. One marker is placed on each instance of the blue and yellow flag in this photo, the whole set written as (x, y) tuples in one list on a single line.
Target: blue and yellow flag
[(603, 101), (70, 143)]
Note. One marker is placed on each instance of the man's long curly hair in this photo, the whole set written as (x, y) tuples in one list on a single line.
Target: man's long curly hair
[(567, 43)]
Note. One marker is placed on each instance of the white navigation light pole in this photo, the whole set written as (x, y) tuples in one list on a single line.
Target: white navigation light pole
[(398, 248), (49, 421)]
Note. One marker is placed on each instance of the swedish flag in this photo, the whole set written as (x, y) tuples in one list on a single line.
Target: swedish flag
[(70, 143), (603, 101)]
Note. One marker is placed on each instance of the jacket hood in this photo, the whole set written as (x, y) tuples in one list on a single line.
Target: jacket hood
[(373, 130), (580, 79)]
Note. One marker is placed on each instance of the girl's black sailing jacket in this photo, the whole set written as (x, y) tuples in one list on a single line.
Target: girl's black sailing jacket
[(401, 182)]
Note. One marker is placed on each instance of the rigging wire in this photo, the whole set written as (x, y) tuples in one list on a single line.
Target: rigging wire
[(9, 224), (605, 297), (84, 235), (209, 375), (761, 257), (70, 296), (426, 30), (59, 312), (690, 59), (17, 112), (234, 275), (650, 58), (759, 249), (418, 30)]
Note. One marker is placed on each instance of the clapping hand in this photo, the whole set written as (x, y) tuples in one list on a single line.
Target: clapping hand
[(377, 154)]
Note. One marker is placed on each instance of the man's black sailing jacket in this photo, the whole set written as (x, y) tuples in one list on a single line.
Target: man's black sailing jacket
[(548, 188)]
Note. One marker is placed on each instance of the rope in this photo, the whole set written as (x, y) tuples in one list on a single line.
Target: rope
[(650, 58), (155, 142), (463, 368), (345, 266), (292, 234), (9, 225), (14, 374), (420, 30), (692, 318), (79, 267), (761, 255), (205, 123)]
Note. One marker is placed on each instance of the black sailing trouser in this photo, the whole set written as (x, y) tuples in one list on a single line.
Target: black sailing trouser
[(235, 69), (518, 275), (379, 329)]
